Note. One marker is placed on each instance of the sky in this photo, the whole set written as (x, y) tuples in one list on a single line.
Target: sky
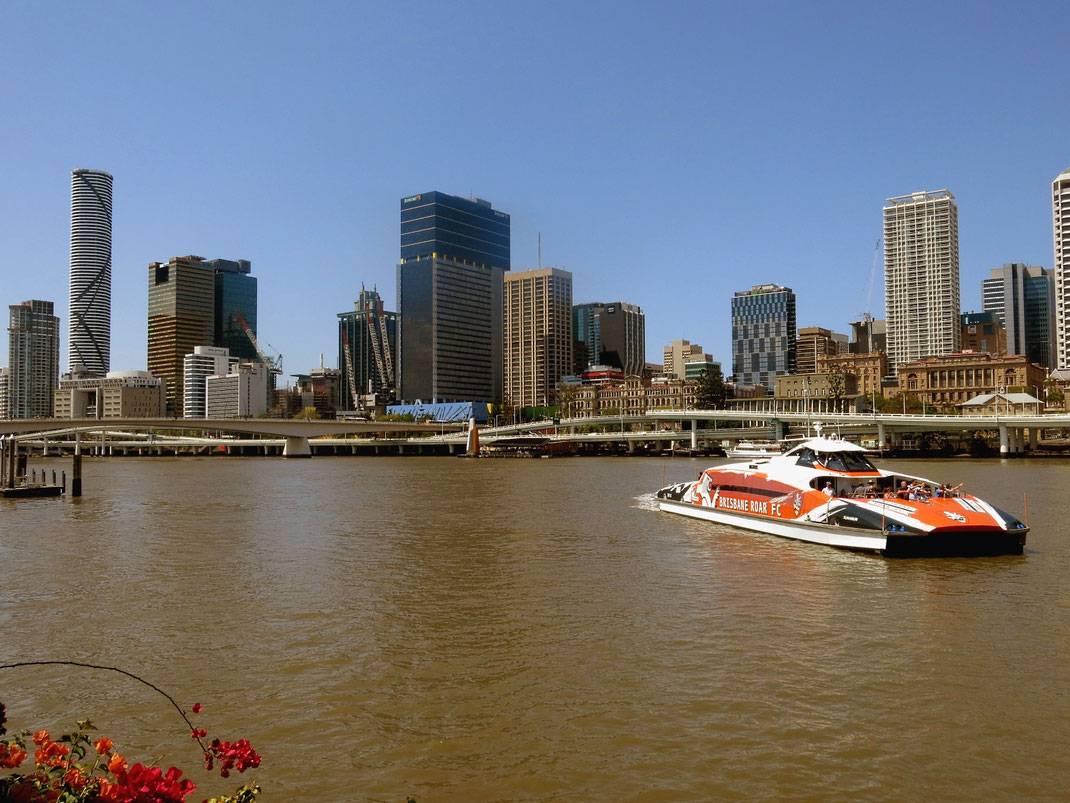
[(669, 154)]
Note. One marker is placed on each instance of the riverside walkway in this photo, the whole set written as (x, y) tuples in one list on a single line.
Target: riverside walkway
[(703, 427)]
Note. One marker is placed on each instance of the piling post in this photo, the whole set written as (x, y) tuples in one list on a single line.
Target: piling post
[(76, 467), (12, 451)]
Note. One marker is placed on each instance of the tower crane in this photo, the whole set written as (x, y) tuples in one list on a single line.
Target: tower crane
[(274, 366), (350, 369), (866, 316)]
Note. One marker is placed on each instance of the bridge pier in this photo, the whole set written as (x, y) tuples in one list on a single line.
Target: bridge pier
[(1004, 442), (296, 446), (694, 434), (1034, 437)]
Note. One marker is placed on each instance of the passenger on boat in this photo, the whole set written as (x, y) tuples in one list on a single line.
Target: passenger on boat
[(828, 490), (904, 490), (871, 490)]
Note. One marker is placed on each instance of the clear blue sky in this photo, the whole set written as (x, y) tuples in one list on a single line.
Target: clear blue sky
[(669, 153)]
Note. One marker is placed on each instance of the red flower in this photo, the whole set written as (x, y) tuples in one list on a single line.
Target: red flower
[(117, 764), (11, 755), (103, 745), (41, 737), (196, 708)]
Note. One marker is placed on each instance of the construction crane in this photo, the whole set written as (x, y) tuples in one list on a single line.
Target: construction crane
[(866, 316), (376, 349), (274, 366), (351, 369)]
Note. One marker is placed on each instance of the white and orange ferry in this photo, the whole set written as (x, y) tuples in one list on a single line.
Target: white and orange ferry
[(825, 490)]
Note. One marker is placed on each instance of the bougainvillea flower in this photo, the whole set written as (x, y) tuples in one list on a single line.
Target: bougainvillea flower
[(116, 764), (103, 745), (41, 737), (196, 708)]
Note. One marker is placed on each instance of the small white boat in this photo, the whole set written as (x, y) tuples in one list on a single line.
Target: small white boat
[(826, 491), (748, 450)]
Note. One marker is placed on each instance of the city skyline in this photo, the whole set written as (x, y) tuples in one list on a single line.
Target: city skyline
[(615, 165)]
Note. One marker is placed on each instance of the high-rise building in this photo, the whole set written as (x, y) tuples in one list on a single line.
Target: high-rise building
[(89, 324), (235, 301), (454, 252), (813, 342), (367, 351), (5, 375), (611, 334), (239, 392), (679, 353), (983, 333), (205, 361), (538, 335), (33, 346), (1022, 298), (763, 334), (921, 276), (181, 317), (868, 335), (1060, 205)]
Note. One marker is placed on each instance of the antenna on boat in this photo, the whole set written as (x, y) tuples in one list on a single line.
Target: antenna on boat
[(818, 426)]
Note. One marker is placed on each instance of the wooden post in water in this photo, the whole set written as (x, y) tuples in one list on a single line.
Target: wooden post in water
[(76, 467), (12, 449)]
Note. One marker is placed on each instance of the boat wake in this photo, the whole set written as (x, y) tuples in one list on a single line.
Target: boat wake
[(646, 502)]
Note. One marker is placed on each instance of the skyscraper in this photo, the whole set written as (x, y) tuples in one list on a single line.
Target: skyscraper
[(763, 334), (1060, 206), (1022, 299), (367, 350), (235, 295), (33, 347), (89, 324), (538, 334), (921, 276), (454, 252), (612, 334), (181, 317)]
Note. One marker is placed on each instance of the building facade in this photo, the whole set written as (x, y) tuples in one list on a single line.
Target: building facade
[(367, 352), (677, 354), (1060, 205), (119, 394), (813, 342), (454, 252), (5, 375), (89, 322), (235, 302), (983, 332), (763, 334), (612, 334), (868, 335), (1023, 299), (538, 334), (867, 369), (632, 395), (240, 392), (955, 378), (33, 359), (921, 276), (181, 318), (203, 362)]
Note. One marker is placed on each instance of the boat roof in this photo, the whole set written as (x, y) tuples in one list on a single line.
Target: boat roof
[(825, 445)]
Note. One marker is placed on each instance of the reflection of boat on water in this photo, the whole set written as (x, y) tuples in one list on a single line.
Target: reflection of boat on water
[(748, 450), (825, 490)]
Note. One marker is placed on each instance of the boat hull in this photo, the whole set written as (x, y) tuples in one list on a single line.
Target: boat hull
[(959, 542)]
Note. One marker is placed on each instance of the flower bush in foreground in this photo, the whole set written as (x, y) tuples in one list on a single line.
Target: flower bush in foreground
[(76, 767)]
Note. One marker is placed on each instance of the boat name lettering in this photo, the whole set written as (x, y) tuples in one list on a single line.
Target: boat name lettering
[(749, 505)]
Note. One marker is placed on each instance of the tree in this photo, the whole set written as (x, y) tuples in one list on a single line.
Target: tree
[(565, 397), (710, 390), (837, 380)]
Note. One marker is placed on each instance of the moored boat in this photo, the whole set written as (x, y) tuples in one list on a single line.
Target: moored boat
[(826, 491), (747, 450)]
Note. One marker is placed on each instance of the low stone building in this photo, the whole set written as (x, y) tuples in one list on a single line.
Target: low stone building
[(634, 396), (120, 394), (956, 378), (868, 369), (1003, 404)]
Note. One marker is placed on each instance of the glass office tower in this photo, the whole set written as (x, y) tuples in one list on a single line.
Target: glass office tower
[(763, 334), (235, 294), (454, 252)]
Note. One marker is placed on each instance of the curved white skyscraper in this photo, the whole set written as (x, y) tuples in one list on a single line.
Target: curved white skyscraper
[(90, 309)]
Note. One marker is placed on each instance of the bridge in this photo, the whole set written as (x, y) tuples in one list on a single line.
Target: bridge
[(661, 426)]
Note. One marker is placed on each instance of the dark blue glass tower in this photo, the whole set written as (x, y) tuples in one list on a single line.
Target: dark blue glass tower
[(235, 293), (763, 334), (450, 307)]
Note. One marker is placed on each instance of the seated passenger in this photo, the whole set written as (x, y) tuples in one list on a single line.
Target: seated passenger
[(904, 491), (828, 490)]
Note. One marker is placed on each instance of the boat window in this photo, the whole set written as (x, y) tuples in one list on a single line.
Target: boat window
[(846, 461), (806, 457)]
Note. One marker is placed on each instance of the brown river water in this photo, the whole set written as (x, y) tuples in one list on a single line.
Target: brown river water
[(512, 630)]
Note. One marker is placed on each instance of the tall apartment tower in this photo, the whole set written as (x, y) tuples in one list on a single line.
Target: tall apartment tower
[(1060, 205), (612, 334), (763, 334), (454, 252), (181, 317), (538, 334), (235, 301), (367, 350), (1022, 299), (33, 347), (5, 377), (89, 324), (921, 276)]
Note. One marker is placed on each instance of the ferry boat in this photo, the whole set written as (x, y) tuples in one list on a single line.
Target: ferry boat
[(826, 491)]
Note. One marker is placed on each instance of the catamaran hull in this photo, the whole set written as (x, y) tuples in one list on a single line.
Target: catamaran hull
[(897, 545)]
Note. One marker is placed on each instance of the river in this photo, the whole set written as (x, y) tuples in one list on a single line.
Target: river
[(508, 630)]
